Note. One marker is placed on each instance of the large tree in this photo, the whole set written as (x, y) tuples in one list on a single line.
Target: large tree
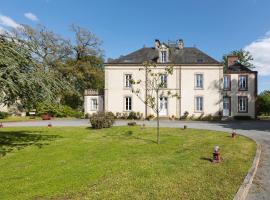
[(263, 103), (59, 68), (245, 58)]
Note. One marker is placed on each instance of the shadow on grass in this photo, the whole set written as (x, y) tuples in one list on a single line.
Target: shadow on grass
[(17, 140), (207, 159)]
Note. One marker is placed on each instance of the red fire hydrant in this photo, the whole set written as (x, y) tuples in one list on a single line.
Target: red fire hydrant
[(233, 133), (1, 125), (216, 155)]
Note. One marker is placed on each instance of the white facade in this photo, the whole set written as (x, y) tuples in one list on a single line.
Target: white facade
[(199, 82)]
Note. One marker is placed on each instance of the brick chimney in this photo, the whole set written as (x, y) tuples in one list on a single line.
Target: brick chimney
[(180, 44), (232, 59), (157, 43)]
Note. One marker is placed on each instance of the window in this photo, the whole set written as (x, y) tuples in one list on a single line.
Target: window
[(226, 82), (199, 81), (198, 104), (94, 104), (128, 78), (163, 56), (242, 104), (243, 82), (163, 80), (128, 103)]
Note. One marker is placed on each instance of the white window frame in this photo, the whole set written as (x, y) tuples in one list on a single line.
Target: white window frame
[(199, 104), (94, 107), (199, 82), (163, 56), (127, 80), (243, 104), (226, 82), (128, 103), (164, 80), (243, 82)]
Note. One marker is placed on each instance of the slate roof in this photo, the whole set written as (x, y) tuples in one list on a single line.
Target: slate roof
[(238, 67), (187, 55)]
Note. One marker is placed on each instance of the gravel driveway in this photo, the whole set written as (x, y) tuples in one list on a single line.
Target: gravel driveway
[(257, 130)]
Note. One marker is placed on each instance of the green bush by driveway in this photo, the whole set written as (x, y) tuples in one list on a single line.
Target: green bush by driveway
[(120, 163)]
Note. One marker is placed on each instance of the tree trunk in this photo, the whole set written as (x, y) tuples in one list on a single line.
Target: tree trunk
[(157, 109)]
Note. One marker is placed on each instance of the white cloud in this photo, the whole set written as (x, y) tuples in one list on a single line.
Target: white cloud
[(8, 22), (260, 50), (31, 16)]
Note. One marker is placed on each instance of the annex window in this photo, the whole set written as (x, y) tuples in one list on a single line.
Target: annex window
[(226, 82), (242, 104), (198, 104), (163, 56), (94, 104), (127, 81), (199, 81), (243, 82), (128, 103), (163, 80)]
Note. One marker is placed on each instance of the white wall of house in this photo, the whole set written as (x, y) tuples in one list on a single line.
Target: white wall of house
[(89, 107), (182, 81)]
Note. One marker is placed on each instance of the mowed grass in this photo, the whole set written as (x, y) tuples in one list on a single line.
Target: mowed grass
[(120, 163)]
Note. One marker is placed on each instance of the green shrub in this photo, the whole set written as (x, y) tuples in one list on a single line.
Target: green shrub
[(238, 117), (102, 120), (185, 116), (132, 115), (58, 110), (149, 117), (3, 115)]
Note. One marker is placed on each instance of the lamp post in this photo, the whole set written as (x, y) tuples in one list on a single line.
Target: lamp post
[(216, 155)]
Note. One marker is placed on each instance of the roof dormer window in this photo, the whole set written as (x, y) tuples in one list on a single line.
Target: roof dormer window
[(163, 56)]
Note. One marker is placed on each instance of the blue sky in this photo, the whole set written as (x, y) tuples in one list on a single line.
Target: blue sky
[(216, 27)]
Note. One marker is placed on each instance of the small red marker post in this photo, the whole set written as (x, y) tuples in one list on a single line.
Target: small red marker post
[(234, 133), (216, 155)]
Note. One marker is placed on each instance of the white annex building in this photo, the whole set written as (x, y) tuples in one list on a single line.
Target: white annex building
[(205, 87)]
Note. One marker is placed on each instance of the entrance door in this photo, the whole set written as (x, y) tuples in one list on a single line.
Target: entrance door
[(163, 106), (226, 106)]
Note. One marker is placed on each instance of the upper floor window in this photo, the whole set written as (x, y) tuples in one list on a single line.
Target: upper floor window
[(128, 103), (198, 104), (163, 80), (94, 104), (226, 82), (128, 78), (243, 82), (199, 81), (242, 104), (163, 56)]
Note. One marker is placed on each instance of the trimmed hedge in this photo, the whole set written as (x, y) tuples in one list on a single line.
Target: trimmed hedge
[(58, 110), (102, 120)]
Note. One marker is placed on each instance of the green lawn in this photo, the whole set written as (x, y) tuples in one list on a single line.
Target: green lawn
[(120, 163)]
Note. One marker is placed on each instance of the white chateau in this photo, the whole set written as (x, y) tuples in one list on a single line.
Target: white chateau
[(204, 86)]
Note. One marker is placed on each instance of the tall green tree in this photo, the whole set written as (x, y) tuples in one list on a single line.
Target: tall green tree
[(245, 58), (263, 103)]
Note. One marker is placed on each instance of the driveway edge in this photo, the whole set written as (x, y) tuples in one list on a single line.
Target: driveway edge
[(244, 188)]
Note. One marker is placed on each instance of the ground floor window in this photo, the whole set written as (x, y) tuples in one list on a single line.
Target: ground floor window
[(94, 104), (242, 104), (198, 104), (128, 103)]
